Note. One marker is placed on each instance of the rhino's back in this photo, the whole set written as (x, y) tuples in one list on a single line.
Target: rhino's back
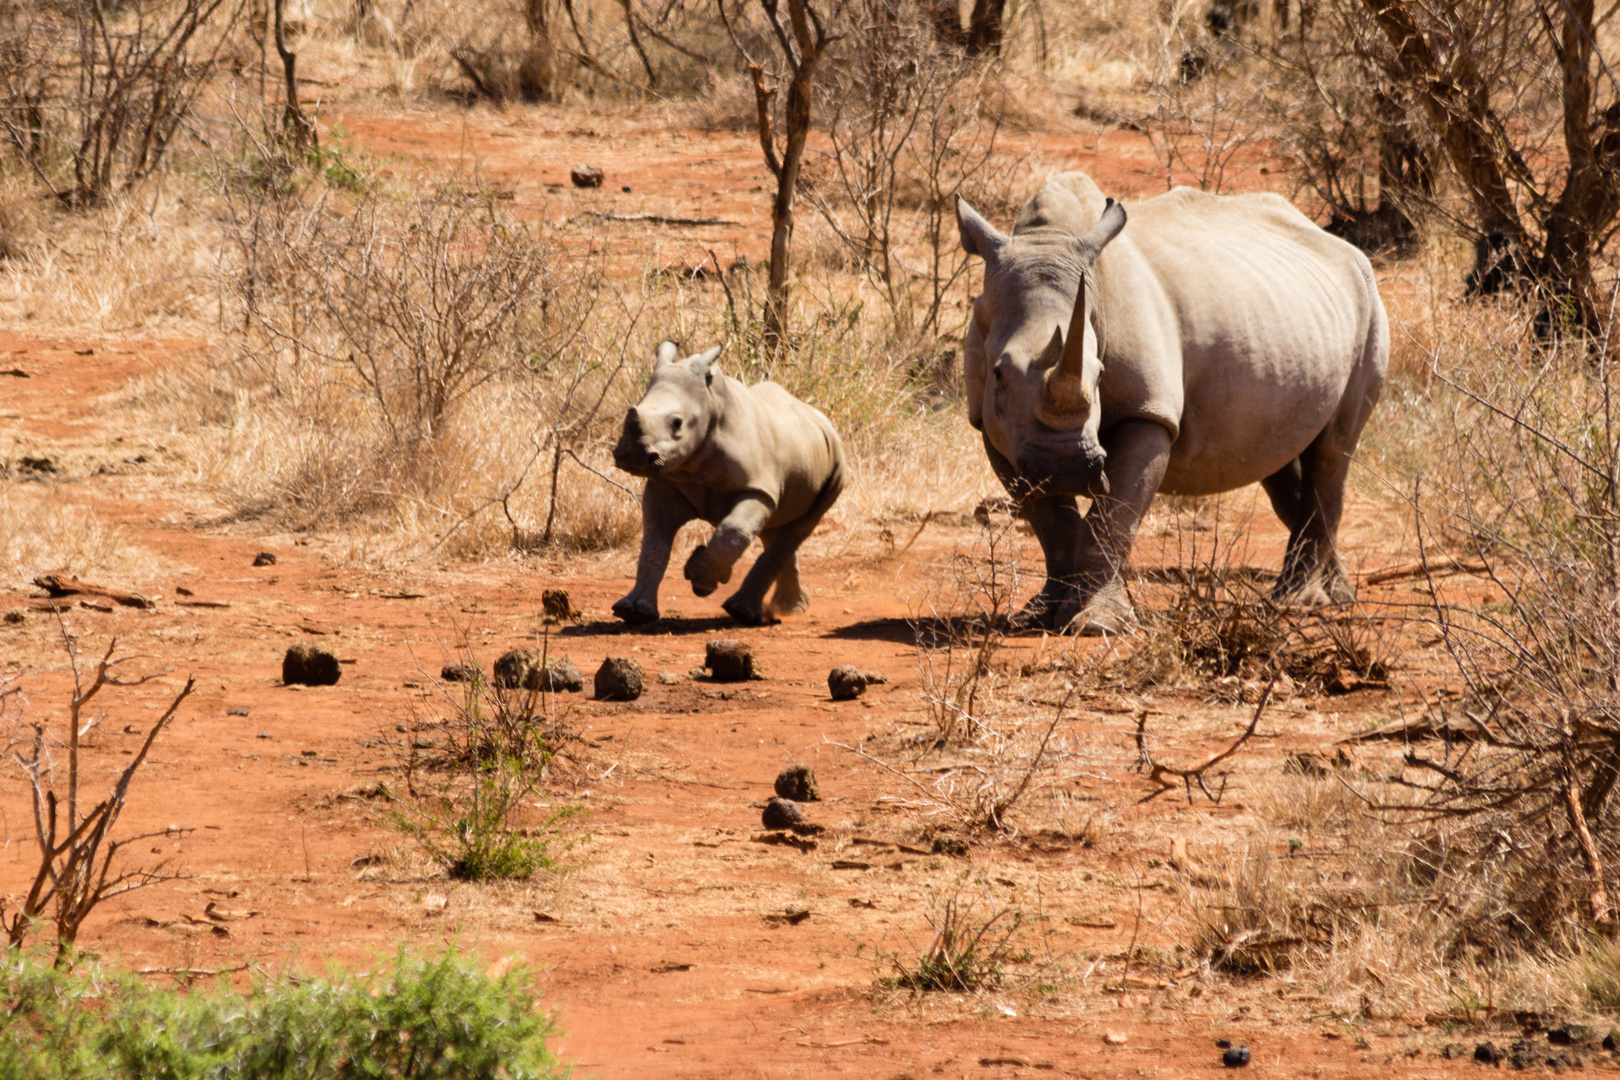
[(1273, 317), (784, 447)]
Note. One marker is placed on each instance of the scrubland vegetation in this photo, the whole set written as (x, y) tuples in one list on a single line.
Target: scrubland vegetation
[(399, 353)]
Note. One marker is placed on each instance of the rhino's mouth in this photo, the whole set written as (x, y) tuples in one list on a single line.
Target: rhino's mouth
[(1076, 472), (635, 459)]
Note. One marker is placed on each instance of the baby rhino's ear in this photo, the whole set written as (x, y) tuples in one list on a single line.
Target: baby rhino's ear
[(704, 364), (667, 353)]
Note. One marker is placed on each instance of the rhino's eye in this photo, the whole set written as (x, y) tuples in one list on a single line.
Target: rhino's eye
[(675, 426)]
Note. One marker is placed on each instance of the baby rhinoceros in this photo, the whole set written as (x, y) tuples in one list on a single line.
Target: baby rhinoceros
[(750, 460)]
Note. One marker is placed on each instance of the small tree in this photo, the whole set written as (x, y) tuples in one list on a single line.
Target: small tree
[(79, 864), (802, 39)]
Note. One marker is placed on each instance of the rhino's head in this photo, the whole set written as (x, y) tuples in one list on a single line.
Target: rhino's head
[(672, 419), (1031, 359)]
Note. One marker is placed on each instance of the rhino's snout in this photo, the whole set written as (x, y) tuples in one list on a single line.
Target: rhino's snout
[(1070, 474), (631, 452)]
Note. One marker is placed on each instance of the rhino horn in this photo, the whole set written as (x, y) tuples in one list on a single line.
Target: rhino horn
[(667, 353)]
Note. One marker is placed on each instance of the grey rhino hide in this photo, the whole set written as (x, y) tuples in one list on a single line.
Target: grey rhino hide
[(1209, 343), (750, 460)]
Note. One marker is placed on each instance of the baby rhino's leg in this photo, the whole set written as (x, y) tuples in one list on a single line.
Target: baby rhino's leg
[(789, 597), (777, 564), (663, 512)]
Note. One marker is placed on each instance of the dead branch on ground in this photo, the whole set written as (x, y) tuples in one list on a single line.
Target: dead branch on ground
[(1158, 772)]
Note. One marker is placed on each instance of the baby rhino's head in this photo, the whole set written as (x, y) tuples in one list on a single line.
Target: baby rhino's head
[(671, 421)]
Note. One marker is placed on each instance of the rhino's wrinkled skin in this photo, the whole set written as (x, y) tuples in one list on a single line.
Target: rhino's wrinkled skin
[(750, 460), (1223, 340)]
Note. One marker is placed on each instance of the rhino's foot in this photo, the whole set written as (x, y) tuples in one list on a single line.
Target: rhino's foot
[(1325, 588), (704, 572), (635, 612), (748, 612), (796, 603), (1049, 609), (1108, 612)]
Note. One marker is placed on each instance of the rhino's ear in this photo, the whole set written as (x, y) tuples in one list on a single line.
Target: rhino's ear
[(668, 353), (979, 237), (703, 364), (1108, 226)]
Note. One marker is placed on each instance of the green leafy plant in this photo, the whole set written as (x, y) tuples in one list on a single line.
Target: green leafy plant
[(969, 949), (473, 781), (425, 1019)]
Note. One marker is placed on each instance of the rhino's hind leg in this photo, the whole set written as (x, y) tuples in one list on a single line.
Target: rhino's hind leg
[(1308, 496), (789, 597)]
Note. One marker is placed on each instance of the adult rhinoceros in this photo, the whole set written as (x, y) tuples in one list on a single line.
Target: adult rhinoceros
[(1219, 341)]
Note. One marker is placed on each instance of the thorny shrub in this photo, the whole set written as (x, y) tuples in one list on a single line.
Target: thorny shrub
[(973, 938)]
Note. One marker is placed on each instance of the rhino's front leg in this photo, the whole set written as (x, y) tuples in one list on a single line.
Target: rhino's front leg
[(1138, 451), (663, 512), (1057, 525), (710, 564)]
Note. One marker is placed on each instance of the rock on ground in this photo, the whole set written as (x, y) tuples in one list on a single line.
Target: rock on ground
[(846, 682), (618, 679), (730, 660), (521, 669), (797, 783), (782, 814), (307, 666)]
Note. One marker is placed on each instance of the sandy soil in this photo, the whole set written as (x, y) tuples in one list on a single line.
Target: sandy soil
[(659, 947)]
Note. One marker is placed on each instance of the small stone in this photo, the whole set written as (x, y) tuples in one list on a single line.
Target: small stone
[(782, 814), (240, 710), (585, 176), (669, 678), (264, 558), (307, 666), (1489, 1053), (953, 846), (562, 675), (846, 683), (1454, 1052), (1236, 1057), (460, 673), (625, 189), (730, 660), (798, 783), (875, 678), (1611, 1041), (618, 679), (15, 618)]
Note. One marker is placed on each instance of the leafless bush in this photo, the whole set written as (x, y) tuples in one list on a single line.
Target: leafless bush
[(1533, 494), (910, 130), (399, 315), (93, 95), (973, 939), (80, 861)]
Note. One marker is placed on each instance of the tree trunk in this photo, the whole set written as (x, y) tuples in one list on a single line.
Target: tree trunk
[(537, 74), (296, 123), (984, 28)]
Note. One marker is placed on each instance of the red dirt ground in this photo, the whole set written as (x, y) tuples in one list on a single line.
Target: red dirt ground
[(660, 958)]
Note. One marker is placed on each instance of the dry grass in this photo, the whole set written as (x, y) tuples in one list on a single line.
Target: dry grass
[(41, 535)]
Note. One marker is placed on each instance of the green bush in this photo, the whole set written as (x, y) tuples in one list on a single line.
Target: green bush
[(417, 1018)]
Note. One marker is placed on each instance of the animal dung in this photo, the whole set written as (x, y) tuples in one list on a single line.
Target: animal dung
[(264, 558), (307, 666), (846, 682), (585, 176), (459, 673), (730, 660), (1236, 1057), (797, 783), (559, 607), (782, 814), (618, 679), (523, 669)]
